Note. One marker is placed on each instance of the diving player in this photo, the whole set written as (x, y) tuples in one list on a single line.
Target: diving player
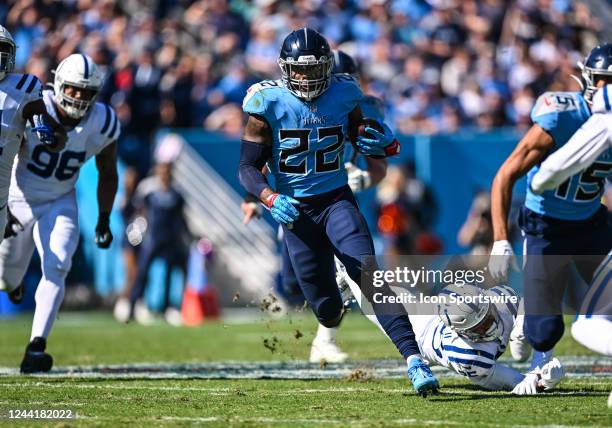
[(42, 195), (297, 126), (20, 102), (590, 149), (469, 337), (563, 227)]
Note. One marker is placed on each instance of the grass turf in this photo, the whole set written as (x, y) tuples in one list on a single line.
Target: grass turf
[(84, 339)]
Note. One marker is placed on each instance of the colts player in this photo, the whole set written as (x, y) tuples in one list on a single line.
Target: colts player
[(297, 126)]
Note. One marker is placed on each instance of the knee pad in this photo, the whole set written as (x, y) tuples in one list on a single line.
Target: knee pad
[(330, 312), (543, 332), (334, 322)]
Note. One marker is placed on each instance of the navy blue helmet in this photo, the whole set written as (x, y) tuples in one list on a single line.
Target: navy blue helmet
[(598, 65), (343, 63), (306, 63)]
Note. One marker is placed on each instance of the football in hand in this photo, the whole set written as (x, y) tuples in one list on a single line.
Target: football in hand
[(368, 122)]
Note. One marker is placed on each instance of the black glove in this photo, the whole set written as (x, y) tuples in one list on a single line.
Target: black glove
[(13, 226), (104, 237)]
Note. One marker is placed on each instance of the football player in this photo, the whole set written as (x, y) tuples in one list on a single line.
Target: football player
[(42, 195), (468, 337), (20, 102), (563, 227), (324, 346), (589, 149), (297, 126)]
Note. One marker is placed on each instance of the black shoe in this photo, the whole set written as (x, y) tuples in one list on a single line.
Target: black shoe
[(36, 360), (16, 296)]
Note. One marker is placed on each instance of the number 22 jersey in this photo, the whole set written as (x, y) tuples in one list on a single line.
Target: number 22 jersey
[(40, 175)]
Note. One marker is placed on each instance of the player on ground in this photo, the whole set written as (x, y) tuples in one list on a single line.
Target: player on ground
[(297, 126), (589, 149), (42, 195), (20, 102), (324, 346), (563, 227), (468, 338)]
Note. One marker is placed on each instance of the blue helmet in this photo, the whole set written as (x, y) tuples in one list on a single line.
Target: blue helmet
[(598, 65), (306, 63), (343, 63)]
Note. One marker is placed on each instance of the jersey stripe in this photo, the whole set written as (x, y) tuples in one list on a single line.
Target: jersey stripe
[(606, 99), (477, 352), (509, 305), (106, 120), (22, 81), (433, 336), (86, 71), (32, 84), (471, 362), (114, 127), (597, 294)]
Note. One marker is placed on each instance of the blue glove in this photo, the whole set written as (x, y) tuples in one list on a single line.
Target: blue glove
[(44, 132), (374, 146), (282, 208)]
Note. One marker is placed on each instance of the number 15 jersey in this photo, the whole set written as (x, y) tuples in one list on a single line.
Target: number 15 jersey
[(40, 175), (307, 137)]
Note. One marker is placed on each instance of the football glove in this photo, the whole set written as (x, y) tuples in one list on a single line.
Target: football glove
[(552, 373), (282, 208), (380, 146), (358, 179), (500, 261), (104, 236), (528, 386), (13, 226)]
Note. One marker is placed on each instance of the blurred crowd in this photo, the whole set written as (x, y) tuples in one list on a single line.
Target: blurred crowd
[(438, 64)]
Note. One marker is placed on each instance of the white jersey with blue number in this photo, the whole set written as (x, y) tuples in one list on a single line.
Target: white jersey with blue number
[(561, 114), (16, 91), (307, 137), (40, 175), (440, 345)]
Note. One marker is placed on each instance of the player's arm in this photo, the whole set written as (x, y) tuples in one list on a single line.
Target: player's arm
[(376, 144), (106, 162), (49, 131), (585, 146), (530, 150), (255, 151), (498, 378)]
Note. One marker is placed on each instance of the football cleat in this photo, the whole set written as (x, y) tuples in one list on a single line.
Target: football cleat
[(520, 348), (16, 295), (142, 314), (423, 380), (322, 350), (36, 360), (121, 311)]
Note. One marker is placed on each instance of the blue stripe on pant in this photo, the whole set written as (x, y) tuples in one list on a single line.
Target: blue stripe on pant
[(332, 224)]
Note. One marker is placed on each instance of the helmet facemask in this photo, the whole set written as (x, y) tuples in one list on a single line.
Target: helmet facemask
[(308, 77), (7, 57), (488, 329), (76, 108), (590, 76)]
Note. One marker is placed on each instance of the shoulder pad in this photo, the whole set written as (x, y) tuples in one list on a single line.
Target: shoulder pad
[(106, 121), (555, 102), (254, 100), (602, 100)]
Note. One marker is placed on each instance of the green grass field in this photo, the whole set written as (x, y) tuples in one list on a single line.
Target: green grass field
[(122, 396)]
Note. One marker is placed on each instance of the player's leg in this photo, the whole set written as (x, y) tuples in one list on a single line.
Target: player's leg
[(16, 253), (146, 255), (593, 326), (348, 232), (56, 235)]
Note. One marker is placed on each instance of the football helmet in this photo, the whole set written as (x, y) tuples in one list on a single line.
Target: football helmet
[(343, 63), (306, 63), (597, 65), (7, 52), (77, 71), (472, 317)]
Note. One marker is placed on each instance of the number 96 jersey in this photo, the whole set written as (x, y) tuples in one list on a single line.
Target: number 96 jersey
[(40, 175), (307, 137)]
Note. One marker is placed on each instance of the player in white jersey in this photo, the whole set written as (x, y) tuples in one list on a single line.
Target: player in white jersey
[(20, 103), (42, 195), (590, 147), (468, 335)]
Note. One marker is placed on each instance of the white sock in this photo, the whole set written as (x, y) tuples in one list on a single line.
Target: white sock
[(595, 333), (49, 297), (539, 359), (325, 334)]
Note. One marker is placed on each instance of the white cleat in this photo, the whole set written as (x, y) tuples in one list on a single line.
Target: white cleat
[(326, 351), (610, 400), (520, 348), (173, 317), (142, 314), (121, 311)]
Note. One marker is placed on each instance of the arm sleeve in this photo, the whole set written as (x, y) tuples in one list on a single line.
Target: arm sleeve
[(499, 377), (253, 156), (585, 146)]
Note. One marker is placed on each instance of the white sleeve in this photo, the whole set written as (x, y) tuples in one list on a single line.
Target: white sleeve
[(585, 146), (499, 378)]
